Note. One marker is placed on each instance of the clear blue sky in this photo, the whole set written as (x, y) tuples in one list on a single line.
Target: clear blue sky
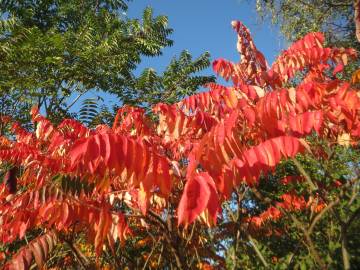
[(204, 25)]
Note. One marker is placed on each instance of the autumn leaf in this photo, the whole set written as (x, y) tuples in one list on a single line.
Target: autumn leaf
[(199, 194)]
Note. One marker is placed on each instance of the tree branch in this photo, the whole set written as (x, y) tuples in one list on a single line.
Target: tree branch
[(166, 233), (309, 242), (319, 216), (257, 250), (84, 262), (312, 186)]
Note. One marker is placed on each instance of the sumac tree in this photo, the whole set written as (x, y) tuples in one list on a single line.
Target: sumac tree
[(239, 176)]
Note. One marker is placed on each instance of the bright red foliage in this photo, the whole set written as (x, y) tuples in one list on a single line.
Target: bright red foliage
[(210, 142)]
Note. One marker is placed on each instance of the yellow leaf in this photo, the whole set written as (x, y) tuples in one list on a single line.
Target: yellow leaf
[(344, 139)]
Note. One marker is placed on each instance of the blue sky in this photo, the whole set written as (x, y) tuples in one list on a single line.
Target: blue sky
[(204, 25)]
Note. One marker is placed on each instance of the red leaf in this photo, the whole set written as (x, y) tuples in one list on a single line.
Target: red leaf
[(264, 157), (199, 194), (100, 153), (38, 252), (39, 248)]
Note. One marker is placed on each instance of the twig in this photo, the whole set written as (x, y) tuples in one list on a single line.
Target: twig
[(304, 173), (161, 251), (319, 216), (351, 219), (197, 256), (151, 252), (309, 242), (354, 194), (159, 219), (344, 252), (260, 196), (344, 242), (75, 100), (85, 263), (257, 250), (174, 251), (191, 234), (166, 233)]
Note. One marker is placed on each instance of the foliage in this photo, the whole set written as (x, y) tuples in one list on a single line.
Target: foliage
[(296, 19), (335, 18), (55, 50), (176, 82), (252, 175)]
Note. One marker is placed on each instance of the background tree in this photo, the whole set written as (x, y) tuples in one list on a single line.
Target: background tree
[(55, 49), (177, 81), (296, 19), (334, 18)]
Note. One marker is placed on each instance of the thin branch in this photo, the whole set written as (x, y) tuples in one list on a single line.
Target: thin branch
[(344, 252), (166, 232), (174, 251), (312, 186), (191, 234), (197, 256), (161, 252), (257, 251), (84, 262), (75, 100), (354, 194), (151, 252), (357, 18), (344, 241), (309, 242), (260, 196), (159, 219), (352, 218), (319, 215)]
